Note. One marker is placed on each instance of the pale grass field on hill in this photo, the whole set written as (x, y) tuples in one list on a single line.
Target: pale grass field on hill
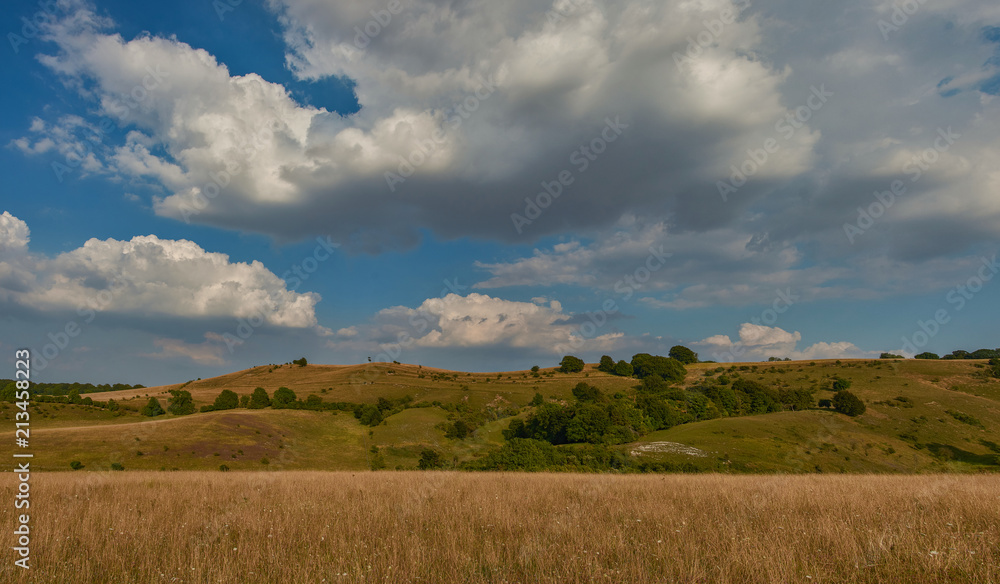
[(441, 527)]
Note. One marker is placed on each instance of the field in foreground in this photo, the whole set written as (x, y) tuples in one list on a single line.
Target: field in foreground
[(471, 527)]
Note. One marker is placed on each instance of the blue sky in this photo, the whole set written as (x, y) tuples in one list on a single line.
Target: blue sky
[(746, 179)]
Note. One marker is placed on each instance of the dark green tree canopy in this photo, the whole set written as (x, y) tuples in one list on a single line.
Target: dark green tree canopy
[(846, 402), (283, 397), (259, 399), (607, 364), (180, 403), (683, 354), (926, 355), (226, 400), (152, 408), (571, 364), (671, 370)]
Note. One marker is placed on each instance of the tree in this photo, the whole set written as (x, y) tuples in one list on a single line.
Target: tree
[(683, 354), (890, 356), (624, 369), (459, 430), (840, 384), (607, 364), (587, 393), (959, 354), (259, 399), (984, 354), (538, 400), (300, 362), (74, 396), (846, 402), (180, 403), (430, 459), (671, 370), (926, 355), (283, 397), (994, 367), (227, 400), (244, 401), (571, 364), (152, 408)]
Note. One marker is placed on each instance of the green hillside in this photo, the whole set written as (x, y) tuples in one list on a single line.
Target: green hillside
[(922, 416)]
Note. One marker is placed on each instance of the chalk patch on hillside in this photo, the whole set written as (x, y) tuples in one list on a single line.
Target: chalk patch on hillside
[(670, 447)]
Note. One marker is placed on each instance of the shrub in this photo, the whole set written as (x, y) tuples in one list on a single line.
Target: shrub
[(223, 468), (283, 397), (926, 355), (847, 403), (624, 369), (537, 400), (300, 362), (227, 400), (607, 364), (571, 364), (460, 430), (152, 408), (683, 354), (117, 466), (671, 370), (430, 459), (259, 399), (840, 384), (180, 403), (76, 465), (890, 356)]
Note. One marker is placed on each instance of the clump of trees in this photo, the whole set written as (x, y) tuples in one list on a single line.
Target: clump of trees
[(890, 356), (227, 400), (571, 364), (847, 403), (259, 399), (180, 402), (926, 355), (683, 354), (300, 362), (152, 408)]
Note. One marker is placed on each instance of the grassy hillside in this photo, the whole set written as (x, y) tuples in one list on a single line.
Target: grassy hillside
[(922, 416)]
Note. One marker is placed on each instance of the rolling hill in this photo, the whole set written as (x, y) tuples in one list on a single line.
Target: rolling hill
[(922, 416)]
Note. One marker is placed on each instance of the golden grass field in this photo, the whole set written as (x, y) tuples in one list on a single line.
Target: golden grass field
[(439, 527)]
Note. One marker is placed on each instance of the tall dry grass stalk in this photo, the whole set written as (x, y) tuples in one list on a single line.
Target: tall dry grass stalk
[(436, 527)]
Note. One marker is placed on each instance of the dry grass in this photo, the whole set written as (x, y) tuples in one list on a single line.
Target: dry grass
[(303, 527)]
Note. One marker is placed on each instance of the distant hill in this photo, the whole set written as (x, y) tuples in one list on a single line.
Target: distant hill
[(922, 416)]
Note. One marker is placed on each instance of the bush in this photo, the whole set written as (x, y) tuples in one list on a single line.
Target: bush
[(571, 364), (847, 403), (152, 408), (607, 364), (180, 403), (926, 355), (223, 468), (840, 384), (430, 459), (117, 466), (300, 362), (259, 399), (459, 430), (283, 397), (624, 369), (538, 400), (227, 400), (683, 354), (890, 356), (76, 465), (671, 370)]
